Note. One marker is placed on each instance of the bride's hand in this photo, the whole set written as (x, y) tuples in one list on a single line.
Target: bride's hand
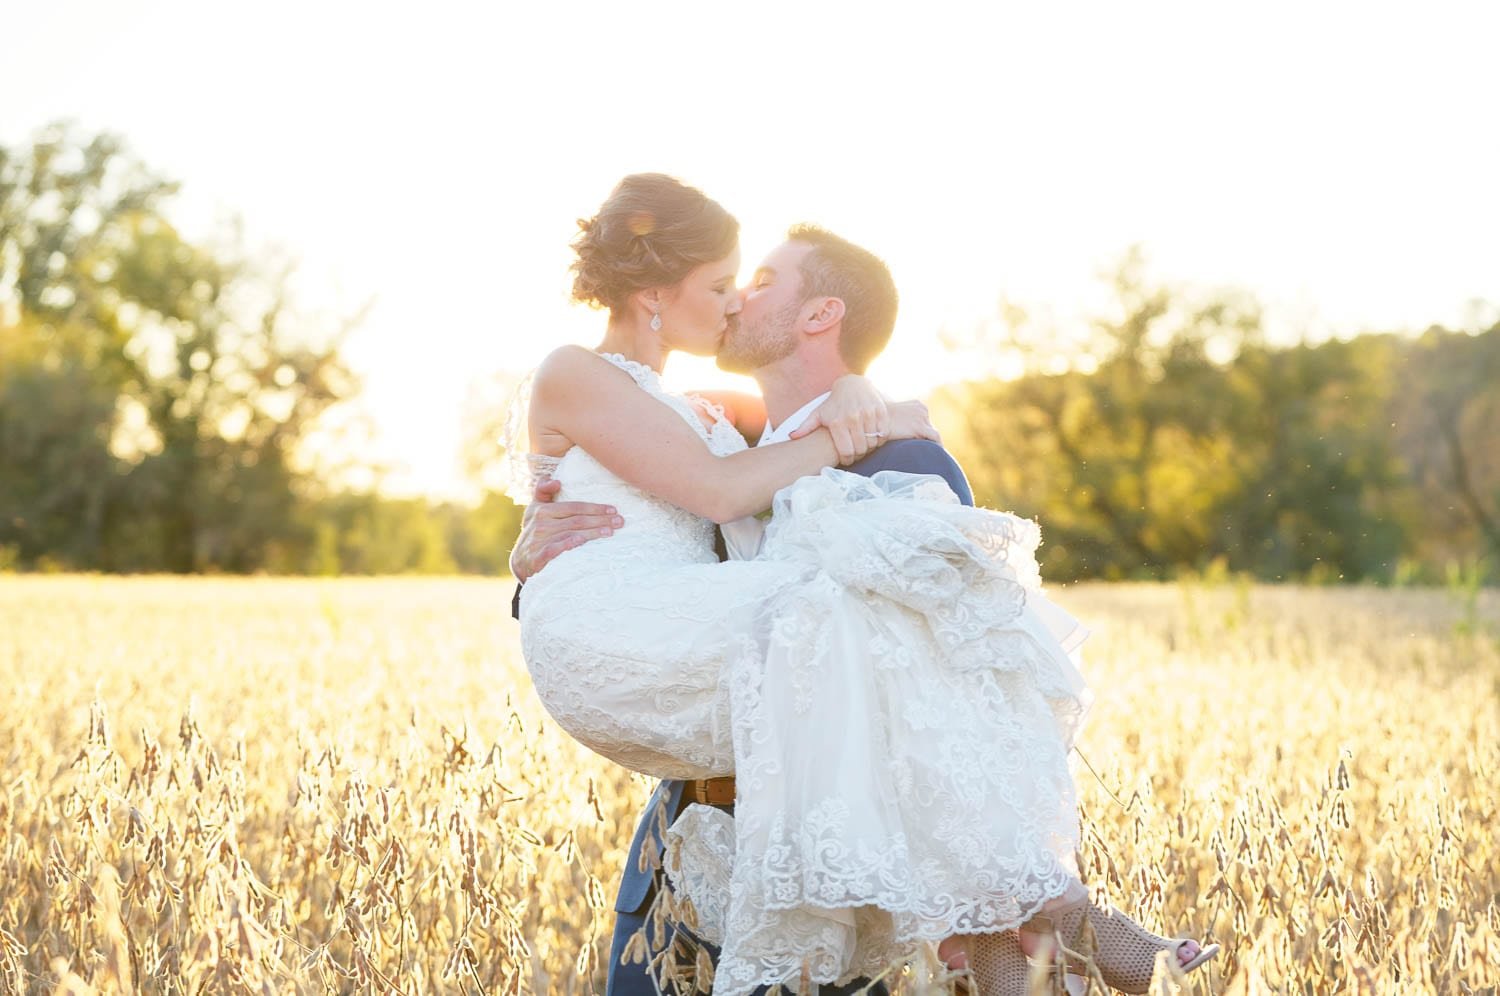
[(911, 420), (856, 416)]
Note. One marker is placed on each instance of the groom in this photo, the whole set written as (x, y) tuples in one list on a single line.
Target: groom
[(817, 308)]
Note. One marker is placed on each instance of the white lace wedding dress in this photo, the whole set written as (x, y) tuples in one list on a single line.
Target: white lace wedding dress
[(888, 685)]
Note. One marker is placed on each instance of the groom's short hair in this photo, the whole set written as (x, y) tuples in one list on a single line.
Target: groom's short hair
[(838, 268)]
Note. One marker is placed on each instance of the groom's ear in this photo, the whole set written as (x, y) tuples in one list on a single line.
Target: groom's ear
[(827, 314)]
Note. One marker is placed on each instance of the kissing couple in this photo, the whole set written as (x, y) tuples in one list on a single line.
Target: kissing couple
[(862, 717)]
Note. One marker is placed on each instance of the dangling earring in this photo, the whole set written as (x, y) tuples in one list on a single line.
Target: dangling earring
[(656, 321)]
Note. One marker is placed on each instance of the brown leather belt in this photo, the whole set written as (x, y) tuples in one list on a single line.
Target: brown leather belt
[(710, 791)]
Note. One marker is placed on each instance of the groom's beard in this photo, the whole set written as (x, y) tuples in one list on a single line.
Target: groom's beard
[(751, 347)]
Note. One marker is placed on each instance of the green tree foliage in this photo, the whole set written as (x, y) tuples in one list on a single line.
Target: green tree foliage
[(479, 539), (1322, 494), (1446, 413), (167, 379), (58, 477), (1182, 440), (154, 394), (368, 534)]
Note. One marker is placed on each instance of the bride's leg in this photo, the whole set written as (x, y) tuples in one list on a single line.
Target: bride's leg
[(996, 965), (1035, 940), (1125, 951), (953, 953)]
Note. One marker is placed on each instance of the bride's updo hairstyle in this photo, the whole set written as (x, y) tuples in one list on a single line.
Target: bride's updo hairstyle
[(651, 232)]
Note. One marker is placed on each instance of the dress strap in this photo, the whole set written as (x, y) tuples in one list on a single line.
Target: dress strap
[(648, 379)]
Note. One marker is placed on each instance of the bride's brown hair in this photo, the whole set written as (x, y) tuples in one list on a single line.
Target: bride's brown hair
[(652, 231)]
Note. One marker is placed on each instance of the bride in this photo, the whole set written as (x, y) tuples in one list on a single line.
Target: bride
[(885, 679)]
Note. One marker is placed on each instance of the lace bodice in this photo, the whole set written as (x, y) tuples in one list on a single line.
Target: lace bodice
[(657, 528)]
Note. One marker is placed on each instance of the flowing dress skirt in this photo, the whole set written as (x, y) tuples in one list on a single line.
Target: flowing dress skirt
[(892, 691)]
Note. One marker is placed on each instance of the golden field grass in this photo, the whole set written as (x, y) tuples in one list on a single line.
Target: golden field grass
[(298, 786)]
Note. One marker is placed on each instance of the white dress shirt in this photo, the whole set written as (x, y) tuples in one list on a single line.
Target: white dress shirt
[(742, 537)]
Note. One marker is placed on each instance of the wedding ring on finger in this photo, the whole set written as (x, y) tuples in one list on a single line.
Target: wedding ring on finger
[(875, 435)]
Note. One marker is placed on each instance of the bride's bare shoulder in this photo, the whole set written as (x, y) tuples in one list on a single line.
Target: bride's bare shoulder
[(571, 361), (563, 380), (570, 369)]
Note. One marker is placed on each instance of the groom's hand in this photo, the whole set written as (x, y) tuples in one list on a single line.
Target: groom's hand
[(549, 527)]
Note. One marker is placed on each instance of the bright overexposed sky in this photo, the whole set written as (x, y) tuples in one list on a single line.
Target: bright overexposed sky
[(1339, 160)]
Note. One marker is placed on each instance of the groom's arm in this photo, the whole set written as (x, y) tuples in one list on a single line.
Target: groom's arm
[(549, 526)]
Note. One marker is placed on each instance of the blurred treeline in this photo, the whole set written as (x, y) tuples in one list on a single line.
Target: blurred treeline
[(161, 402), (165, 406), (1171, 437)]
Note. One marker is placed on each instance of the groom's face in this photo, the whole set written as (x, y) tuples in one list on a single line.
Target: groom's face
[(771, 312)]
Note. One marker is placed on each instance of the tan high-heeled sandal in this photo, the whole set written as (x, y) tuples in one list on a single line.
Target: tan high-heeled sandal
[(1124, 951)]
